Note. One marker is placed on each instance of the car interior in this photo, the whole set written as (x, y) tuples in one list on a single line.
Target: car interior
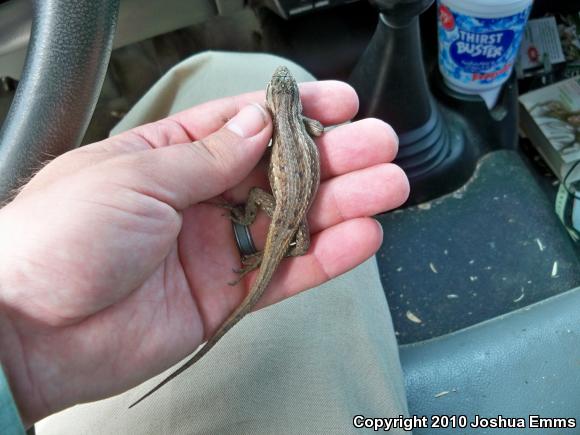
[(481, 277)]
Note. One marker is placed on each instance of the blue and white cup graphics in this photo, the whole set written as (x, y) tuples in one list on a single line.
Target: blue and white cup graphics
[(477, 54)]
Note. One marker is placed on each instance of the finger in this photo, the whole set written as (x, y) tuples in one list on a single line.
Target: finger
[(346, 148), (355, 146), (366, 192), (144, 138), (183, 174), (330, 102), (333, 252)]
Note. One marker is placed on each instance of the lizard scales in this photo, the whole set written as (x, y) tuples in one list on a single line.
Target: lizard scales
[(294, 176)]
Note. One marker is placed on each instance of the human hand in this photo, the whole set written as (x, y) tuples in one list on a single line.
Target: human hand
[(113, 266)]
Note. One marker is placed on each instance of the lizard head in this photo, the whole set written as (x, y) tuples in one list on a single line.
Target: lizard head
[(282, 87)]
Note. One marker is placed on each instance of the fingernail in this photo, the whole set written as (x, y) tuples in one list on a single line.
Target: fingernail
[(380, 227), (249, 121), (395, 135)]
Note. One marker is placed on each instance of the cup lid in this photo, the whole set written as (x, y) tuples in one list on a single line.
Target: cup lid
[(487, 8)]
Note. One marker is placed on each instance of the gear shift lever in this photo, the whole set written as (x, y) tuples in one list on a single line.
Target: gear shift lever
[(391, 82)]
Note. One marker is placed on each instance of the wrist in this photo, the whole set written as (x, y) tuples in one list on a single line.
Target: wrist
[(15, 371), (10, 421), (12, 353)]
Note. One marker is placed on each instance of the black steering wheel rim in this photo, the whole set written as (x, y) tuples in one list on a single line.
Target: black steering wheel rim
[(69, 50)]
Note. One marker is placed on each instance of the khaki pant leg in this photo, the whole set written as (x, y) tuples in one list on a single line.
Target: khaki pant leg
[(306, 365)]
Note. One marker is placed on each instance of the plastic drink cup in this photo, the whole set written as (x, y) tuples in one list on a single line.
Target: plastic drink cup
[(479, 42)]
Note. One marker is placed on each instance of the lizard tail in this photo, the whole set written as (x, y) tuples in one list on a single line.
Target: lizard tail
[(234, 318), (260, 285)]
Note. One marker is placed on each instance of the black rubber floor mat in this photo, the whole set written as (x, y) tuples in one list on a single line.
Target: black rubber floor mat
[(489, 248)]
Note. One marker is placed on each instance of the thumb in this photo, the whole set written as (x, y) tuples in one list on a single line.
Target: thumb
[(184, 174)]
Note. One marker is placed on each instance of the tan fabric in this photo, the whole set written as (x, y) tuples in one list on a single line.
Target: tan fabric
[(204, 77), (306, 365)]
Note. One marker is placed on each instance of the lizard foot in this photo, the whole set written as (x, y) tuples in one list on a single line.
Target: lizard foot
[(249, 263)]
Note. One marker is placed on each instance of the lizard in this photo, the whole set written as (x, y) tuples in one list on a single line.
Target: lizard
[(294, 177)]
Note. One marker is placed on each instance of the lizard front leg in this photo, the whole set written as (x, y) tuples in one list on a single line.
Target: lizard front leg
[(313, 127)]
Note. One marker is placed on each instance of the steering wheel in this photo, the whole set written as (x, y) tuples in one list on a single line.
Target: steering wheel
[(69, 50)]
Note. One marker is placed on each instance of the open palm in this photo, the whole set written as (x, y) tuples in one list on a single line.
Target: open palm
[(115, 264)]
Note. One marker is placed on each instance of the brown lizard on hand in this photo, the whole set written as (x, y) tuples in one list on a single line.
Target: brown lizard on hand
[(294, 175)]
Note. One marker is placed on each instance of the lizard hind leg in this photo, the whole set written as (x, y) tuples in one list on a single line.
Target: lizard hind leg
[(246, 215), (298, 248), (249, 263), (301, 241), (257, 198)]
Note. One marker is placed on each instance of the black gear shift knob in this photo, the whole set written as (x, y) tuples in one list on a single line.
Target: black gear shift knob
[(391, 83), (401, 12)]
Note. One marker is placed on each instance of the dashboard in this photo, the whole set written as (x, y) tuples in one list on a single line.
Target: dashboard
[(138, 20)]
